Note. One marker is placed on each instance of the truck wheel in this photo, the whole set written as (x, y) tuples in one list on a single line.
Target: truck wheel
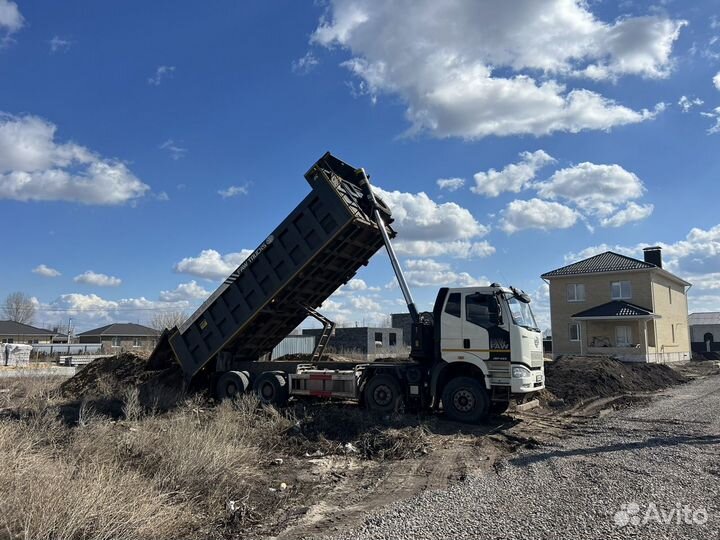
[(499, 407), (465, 399), (382, 394), (231, 385), (271, 389)]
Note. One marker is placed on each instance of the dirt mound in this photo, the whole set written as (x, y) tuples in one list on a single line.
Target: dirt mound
[(574, 378), (115, 375)]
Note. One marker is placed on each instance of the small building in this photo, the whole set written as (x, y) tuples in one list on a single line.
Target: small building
[(615, 305), (704, 331), (15, 332), (403, 321), (119, 337), (370, 343)]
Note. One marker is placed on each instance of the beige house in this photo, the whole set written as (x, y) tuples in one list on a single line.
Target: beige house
[(615, 305), (15, 332), (121, 337)]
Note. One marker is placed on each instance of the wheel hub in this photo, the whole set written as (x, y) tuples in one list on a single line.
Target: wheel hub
[(267, 391), (382, 395), (464, 401), (231, 389)]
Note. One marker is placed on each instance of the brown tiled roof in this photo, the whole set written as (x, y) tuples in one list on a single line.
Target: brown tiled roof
[(604, 262)]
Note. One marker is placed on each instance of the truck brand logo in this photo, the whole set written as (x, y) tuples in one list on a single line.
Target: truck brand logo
[(247, 262), (537, 342), (497, 344)]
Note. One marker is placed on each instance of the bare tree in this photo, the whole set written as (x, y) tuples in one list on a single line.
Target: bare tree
[(19, 307), (167, 319)]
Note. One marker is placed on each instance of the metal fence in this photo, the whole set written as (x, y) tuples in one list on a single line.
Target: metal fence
[(64, 348), (294, 345)]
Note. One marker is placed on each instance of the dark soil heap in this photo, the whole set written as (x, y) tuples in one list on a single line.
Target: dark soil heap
[(114, 375), (576, 378)]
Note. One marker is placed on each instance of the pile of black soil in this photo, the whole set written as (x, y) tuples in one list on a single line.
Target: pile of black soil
[(574, 379), (105, 383)]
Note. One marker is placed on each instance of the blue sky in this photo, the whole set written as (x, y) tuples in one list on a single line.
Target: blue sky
[(145, 146)]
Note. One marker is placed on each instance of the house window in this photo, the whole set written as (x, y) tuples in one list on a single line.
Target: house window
[(574, 331), (623, 336), (453, 305), (137, 342), (116, 342), (378, 339), (393, 339), (576, 292), (621, 290)]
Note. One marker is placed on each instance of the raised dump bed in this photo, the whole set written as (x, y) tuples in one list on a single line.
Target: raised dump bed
[(315, 250)]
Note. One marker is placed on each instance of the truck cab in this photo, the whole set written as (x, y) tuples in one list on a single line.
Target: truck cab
[(488, 334)]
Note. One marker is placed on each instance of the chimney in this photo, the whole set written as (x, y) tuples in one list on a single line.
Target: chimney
[(653, 255)]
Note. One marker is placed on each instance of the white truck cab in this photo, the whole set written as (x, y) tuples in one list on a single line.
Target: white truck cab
[(492, 329)]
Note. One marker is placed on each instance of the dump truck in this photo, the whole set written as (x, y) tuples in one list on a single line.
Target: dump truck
[(476, 351)]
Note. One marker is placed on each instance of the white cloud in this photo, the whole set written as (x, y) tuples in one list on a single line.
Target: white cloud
[(597, 189), (632, 212), (45, 271), (687, 103), (514, 177), (451, 184), (305, 64), (176, 152), (99, 280), (210, 264), (487, 68), (34, 167), (716, 80), (185, 291), (431, 273), (364, 304), (11, 20), (461, 249), (715, 115), (161, 73), (233, 191), (58, 44), (418, 217), (536, 214)]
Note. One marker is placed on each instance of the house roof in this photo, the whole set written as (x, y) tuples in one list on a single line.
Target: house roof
[(604, 262), (12, 328), (122, 329), (707, 317), (615, 309)]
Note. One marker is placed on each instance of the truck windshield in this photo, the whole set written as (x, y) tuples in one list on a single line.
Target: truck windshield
[(521, 313)]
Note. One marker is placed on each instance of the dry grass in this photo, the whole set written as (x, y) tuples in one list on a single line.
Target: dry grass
[(200, 470)]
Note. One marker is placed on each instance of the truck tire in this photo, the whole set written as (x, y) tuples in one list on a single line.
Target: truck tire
[(382, 394), (499, 407), (271, 389), (231, 385), (465, 399)]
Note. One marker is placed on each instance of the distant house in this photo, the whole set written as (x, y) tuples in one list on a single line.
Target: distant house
[(615, 305), (15, 332), (120, 337), (403, 321), (367, 342), (705, 332)]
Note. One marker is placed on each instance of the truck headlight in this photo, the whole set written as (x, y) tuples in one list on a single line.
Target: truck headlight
[(519, 372)]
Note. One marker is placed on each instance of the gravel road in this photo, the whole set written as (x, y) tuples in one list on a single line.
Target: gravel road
[(629, 475)]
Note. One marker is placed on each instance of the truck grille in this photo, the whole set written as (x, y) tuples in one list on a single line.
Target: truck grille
[(536, 357)]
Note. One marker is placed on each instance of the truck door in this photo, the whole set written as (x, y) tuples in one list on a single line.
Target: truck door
[(451, 325), (480, 317)]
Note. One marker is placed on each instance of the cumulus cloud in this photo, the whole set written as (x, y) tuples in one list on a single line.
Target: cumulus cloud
[(597, 189), (513, 177), (185, 291), (485, 68), (210, 264), (461, 249), (99, 280), (450, 184), (34, 167), (432, 273), (233, 191), (364, 304), (11, 20), (715, 115), (537, 214), (161, 73), (45, 271), (632, 212), (716, 80), (687, 103)]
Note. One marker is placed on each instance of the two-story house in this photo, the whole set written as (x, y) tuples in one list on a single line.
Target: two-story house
[(615, 305)]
